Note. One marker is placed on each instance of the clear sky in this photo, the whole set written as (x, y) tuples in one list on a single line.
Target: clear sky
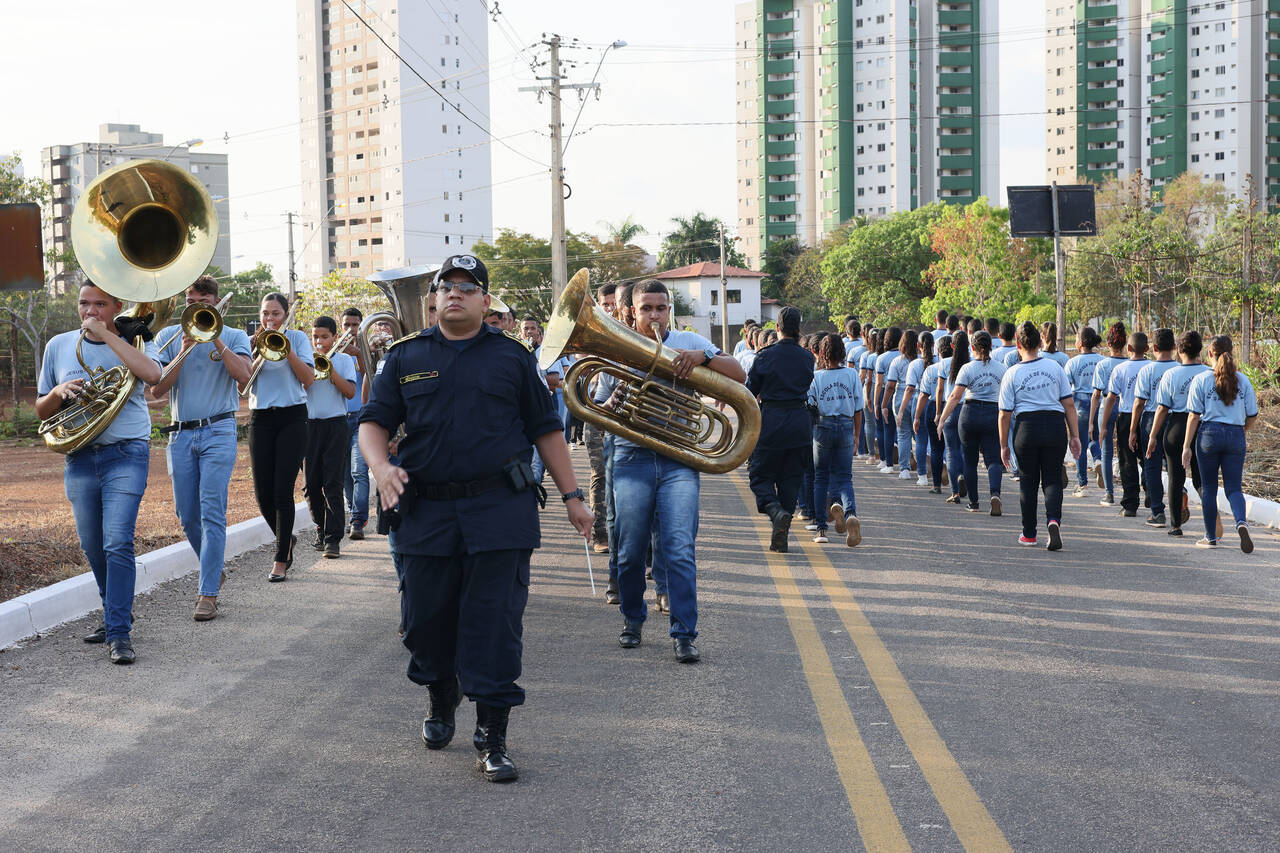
[(227, 72)]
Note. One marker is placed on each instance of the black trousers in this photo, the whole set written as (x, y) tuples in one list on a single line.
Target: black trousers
[(775, 475), (1130, 478), (1175, 432), (328, 450), (1040, 442), (464, 618), (277, 441)]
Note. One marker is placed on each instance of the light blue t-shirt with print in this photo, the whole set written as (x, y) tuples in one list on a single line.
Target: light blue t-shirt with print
[(1149, 378), (324, 400), (61, 365), (1124, 382), (897, 372), (203, 387), (1203, 399), (836, 391), (1176, 384), (1102, 372), (276, 386), (982, 379), (1034, 386), (1080, 371)]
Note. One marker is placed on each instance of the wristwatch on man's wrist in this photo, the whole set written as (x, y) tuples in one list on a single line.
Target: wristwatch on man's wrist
[(710, 353), (576, 493)]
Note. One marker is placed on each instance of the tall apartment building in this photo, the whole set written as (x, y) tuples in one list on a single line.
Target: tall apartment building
[(69, 169), (861, 108), (1166, 86), (392, 175)]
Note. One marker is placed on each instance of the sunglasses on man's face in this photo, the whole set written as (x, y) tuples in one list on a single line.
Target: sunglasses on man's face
[(466, 288)]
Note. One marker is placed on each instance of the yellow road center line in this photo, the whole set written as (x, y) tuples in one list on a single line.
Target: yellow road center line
[(878, 825), (969, 818)]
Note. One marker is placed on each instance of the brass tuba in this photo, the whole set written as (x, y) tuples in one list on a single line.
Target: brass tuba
[(664, 419), (143, 232), (407, 289)]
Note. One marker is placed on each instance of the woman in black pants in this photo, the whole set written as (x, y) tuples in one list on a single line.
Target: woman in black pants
[(1171, 410), (278, 429), (1038, 392), (978, 382)]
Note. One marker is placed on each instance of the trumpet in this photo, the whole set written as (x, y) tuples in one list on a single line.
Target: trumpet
[(324, 364), (200, 323), (272, 345)]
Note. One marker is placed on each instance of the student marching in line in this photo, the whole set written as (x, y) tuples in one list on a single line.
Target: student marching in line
[(1170, 422), (1120, 395), (1223, 407), (1144, 413), (1101, 429), (1080, 370), (909, 421), (894, 392), (927, 410), (979, 383), (836, 399), (887, 430), (867, 375), (1037, 391), (950, 425)]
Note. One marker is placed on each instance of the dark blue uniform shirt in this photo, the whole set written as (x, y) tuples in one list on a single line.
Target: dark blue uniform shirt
[(780, 376), (467, 408)]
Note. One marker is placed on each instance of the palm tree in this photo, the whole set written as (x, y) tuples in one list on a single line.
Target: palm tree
[(625, 231), (694, 240)]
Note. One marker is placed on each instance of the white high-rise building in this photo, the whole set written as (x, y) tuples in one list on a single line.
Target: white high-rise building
[(392, 174)]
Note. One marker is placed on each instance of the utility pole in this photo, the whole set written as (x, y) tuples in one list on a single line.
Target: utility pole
[(293, 277), (724, 297), (559, 239), (1060, 273), (1246, 300)]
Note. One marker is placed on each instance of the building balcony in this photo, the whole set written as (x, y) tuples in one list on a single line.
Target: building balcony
[(780, 208), (780, 187), (787, 147), (1099, 156), (780, 108), (779, 66), (781, 229), (780, 45), (968, 100), (947, 162), (954, 79), (780, 87), (956, 183), (779, 25), (1104, 12), (953, 59), (780, 167), (779, 128)]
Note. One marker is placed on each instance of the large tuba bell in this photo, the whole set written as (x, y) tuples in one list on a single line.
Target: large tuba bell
[(664, 419), (143, 232), (407, 289)]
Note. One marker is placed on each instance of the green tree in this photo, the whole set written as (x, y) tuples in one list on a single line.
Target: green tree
[(779, 256), (520, 268), (625, 231), (696, 239)]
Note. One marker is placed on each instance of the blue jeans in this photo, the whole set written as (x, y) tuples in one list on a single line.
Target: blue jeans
[(955, 448), (928, 451), (355, 485), (610, 514), (1153, 466), (105, 486), (979, 430), (1107, 432), (648, 486), (905, 432), (832, 463), (200, 463), (1220, 447), (869, 421), (1083, 401)]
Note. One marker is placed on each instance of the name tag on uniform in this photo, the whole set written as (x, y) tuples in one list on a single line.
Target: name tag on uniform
[(414, 377)]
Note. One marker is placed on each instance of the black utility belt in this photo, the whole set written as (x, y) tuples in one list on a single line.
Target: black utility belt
[(454, 490), (202, 422)]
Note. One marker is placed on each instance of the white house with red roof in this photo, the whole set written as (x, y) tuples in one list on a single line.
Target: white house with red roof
[(699, 284)]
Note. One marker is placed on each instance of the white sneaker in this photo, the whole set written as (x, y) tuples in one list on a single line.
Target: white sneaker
[(813, 525), (885, 469), (821, 538), (922, 481), (1081, 491), (904, 474)]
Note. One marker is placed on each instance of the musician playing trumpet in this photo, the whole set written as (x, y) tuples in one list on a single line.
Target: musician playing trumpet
[(105, 480), (202, 443), (328, 436)]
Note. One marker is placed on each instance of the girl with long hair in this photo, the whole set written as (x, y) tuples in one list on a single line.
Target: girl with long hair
[(1104, 434), (906, 420), (1037, 391), (867, 375), (926, 416), (1080, 369), (887, 430), (950, 426), (979, 384), (1222, 406), (1171, 423), (894, 393), (1049, 344), (835, 398)]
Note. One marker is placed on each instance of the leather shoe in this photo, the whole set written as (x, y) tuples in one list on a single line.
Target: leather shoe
[(611, 593), (663, 603), (781, 527), (97, 635), (630, 636), (686, 651), (439, 726), (120, 650), (357, 532)]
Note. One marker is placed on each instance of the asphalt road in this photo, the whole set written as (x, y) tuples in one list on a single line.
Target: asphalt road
[(937, 688)]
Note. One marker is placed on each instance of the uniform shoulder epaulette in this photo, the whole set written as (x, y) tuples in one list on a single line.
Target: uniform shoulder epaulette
[(521, 341), (407, 337)]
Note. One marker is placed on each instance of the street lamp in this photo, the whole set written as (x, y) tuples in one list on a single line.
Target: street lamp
[(189, 143), (618, 45)]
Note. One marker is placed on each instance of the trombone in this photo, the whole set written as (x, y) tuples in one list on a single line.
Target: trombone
[(200, 323), (272, 345), (324, 364)]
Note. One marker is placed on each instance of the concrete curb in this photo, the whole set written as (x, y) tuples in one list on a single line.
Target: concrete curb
[(1256, 510), (44, 609)]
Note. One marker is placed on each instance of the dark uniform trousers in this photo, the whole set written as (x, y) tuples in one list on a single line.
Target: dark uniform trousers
[(776, 474), (328, 452), (463, 617)]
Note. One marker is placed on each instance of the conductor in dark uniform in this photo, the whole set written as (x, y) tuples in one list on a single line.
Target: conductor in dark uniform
[(780, 376), (466, 502)]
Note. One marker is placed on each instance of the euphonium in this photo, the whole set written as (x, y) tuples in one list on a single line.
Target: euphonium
[(407, 289), (664, 419), (272, 345), (200, 323), (324, 365), (143, 232)]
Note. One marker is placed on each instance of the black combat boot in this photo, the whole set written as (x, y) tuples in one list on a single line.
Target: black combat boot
[(438, 728), (781, 527), (490, 742)]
